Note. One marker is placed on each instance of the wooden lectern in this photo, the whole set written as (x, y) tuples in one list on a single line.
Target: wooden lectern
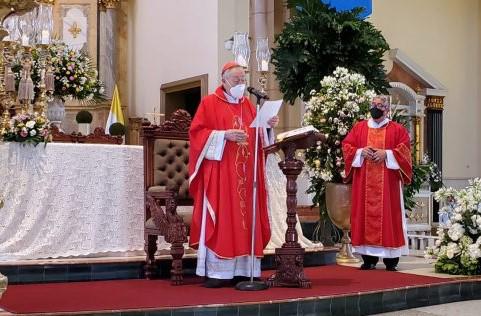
[(290, 258)]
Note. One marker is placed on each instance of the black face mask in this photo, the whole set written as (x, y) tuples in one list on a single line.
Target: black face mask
[(376, 113)]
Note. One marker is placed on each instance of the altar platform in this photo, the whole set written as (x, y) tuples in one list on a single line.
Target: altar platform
[(336, 290), (126, 265)]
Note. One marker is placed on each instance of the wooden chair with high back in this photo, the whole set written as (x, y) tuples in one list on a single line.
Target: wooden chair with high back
[(166, 182)]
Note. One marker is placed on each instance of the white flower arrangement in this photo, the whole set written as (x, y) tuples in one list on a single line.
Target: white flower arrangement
[(458, 249), (26, 128), (342, 101), (75, 76)]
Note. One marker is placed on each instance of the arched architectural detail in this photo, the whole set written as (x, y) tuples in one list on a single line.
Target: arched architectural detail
[(405, 97), (423, 96), (403, 90)]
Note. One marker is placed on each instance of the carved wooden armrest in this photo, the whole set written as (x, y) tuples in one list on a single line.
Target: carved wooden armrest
[(165, 217)]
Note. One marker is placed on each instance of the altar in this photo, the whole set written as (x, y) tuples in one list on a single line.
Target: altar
[(63, 200)]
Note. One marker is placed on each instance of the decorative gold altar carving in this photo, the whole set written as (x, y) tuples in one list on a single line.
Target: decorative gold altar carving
[(434, 102)]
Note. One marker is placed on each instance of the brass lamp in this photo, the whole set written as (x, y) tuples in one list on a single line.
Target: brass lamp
[(24, 23)]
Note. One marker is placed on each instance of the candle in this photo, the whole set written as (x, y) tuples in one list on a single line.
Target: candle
[(241, 61), (264, 65), (24, 40), (45, 37)]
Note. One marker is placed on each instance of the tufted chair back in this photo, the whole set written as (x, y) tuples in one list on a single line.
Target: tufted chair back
[(171, 165), (166, 156)]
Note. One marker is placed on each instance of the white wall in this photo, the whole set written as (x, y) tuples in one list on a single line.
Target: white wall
[(443, 36), (169, 40), (233, 17)]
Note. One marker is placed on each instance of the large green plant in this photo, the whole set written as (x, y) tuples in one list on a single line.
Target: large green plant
[(318, 39)]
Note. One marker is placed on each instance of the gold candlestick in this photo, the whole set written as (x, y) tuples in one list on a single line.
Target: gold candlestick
[(263, 80), (44, 62)]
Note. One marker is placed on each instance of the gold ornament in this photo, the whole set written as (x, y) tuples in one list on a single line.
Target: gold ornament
[(47, 2), (108, 4), (75, 30), (17, 7)]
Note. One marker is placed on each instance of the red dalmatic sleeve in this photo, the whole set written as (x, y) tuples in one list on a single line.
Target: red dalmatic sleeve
[(402, 153), (349, 149), (199, 134)]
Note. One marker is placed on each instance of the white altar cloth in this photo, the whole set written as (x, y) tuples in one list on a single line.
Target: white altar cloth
[(67, 200)]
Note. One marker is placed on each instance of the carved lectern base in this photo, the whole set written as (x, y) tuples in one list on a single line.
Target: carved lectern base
[(290, 269), (290, 258)]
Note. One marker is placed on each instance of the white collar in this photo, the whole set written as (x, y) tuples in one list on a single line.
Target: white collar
[(372, 124), (230, 98)]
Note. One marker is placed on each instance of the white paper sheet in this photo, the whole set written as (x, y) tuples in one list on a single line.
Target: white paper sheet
[(267, 111)]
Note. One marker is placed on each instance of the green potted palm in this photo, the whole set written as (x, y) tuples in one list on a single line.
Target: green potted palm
[(317, 39)]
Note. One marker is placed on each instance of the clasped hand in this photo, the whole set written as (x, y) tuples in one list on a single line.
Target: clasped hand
[(240, 136), (236, 135), (376, 155)]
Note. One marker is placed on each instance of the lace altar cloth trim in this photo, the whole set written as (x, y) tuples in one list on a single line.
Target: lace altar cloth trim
[(276, 189), (67, 200)]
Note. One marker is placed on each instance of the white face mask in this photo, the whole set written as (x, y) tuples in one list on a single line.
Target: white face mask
[(237, 91)]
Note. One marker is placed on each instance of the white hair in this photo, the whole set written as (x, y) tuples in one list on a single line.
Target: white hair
[(386, 100), (227, 73)]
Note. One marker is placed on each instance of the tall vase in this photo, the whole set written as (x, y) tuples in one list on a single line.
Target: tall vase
[(3, 284), (56, 112), (338, 204), (84, 128)]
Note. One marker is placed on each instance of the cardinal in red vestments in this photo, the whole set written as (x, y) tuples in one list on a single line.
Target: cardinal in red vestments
[(377, 158), (221, 168)]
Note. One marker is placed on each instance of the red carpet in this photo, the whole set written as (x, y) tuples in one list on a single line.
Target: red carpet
[(141, 294)]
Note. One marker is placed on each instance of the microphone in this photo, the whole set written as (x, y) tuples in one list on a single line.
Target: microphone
[(257, 93)]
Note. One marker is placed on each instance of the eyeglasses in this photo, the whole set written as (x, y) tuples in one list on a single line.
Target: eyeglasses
[(379, 105), (237, 80)]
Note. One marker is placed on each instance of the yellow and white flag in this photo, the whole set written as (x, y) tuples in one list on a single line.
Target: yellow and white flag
[(115, 115)]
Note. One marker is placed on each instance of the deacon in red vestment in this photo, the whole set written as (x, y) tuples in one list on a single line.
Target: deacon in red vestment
[(221, 168), (377, 158)]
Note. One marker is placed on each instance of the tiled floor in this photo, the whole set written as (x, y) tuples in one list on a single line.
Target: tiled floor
[(466, 308), (413, 265)]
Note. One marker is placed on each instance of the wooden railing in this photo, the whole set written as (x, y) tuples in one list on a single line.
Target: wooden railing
[(97, 137)]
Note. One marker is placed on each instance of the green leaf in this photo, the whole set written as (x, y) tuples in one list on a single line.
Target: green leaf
[(317, 40)]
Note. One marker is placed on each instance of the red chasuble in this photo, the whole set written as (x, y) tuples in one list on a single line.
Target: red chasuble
[(227, 184), (376, 217)]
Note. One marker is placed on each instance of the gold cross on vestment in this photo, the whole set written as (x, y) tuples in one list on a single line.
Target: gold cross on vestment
[(75, 30)]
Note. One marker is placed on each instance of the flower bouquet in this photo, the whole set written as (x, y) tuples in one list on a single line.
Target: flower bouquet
[(342, 101), (75, 76), (458, 249), (27, 128)]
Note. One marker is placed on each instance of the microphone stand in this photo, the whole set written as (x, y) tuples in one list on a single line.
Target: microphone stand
[(254, 285)]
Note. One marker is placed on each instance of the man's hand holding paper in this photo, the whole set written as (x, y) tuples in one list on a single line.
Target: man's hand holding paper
[(267, 115)]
